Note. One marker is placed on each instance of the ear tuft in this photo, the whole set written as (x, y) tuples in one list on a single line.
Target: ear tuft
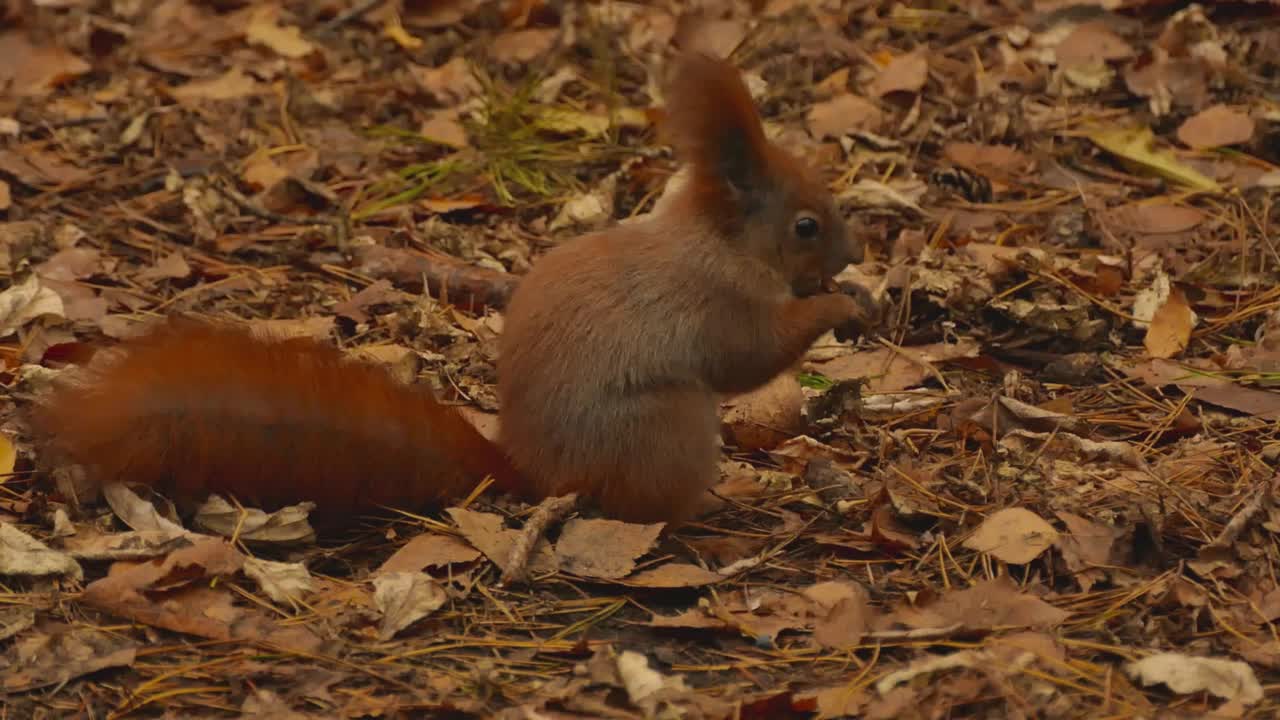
[(712, 122)]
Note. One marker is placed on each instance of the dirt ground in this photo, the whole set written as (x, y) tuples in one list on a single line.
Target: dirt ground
[(1043, 489)]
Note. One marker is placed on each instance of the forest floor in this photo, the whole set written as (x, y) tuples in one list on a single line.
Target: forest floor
[(1045, 488)]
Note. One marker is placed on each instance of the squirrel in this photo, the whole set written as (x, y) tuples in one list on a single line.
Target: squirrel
[(616, 348)]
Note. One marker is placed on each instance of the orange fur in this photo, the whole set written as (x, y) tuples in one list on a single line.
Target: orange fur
[(616, 348), (193, 408)]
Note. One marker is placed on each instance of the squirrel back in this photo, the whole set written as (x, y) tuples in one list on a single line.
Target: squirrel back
[(193, 408)]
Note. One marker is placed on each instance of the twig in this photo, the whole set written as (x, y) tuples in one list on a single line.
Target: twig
[(354, 13), (551, 510), (1240, 520)]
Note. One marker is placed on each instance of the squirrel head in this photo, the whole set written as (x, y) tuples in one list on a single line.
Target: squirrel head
[(758, 197)]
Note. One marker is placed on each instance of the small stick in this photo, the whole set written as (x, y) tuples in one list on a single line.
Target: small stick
[(553, 509)]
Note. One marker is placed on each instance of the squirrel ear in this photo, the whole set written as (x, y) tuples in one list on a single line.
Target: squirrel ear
[(712, 122)]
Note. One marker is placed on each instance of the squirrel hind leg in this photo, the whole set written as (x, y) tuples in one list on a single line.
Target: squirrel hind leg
[(665, 460)]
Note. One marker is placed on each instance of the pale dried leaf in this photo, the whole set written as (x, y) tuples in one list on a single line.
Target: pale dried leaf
[(283, 582), (1013, 535), (21, 554), (404, 598), (603, 548), (287, 526), (1185, 674), (25, 302)]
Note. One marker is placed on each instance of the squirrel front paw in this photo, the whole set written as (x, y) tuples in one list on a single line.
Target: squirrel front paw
[(863, 313)]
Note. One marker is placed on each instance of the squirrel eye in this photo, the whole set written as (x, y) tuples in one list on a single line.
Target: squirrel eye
[(806, 227)]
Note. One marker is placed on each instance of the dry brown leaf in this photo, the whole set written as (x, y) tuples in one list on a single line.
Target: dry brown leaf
[(285, 40), (904, 73), (444, 127), (428, 550), (1089, 44), (261, 172), (1171, 326), (1216, 126), (283, 582), (172, 266), (404, 598), (986, 605), (843, 611), (486, 532), (6, 198), (59, 653), (450, 83), (1155, 217), (91, 544), (1013, 535), (605, 549), (998, 162), (842, 114), (673, 575), (31, 70), (887, 370), (522, 46), (32, 165), (232, 84), (766, 416)]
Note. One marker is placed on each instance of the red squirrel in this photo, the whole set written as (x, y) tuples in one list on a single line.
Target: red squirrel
[(616, 348)]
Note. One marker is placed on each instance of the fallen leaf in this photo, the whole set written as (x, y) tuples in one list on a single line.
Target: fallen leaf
[(60, 653), (673, 575), (1013, 535), (6, 198), (1216, 126), (930, 664), (283, 582), (286, 40), (8, 458), (986, 605), (14, 619), (1185, 674), (91, 544), (1091, 43), (1171, 326), (1137, 146), (139, 514), (428, 550), (1155, 217), (36, 69), (404, 598), (841, 115), (843, 612), (443, 127), (644, 685), (25, 302), (904, 73), (765, 417), (261, 172), (485, 531), (997, 162), (21, 554), (230, 85), (888, 369), (522, 46), (287, 526), (715, 36), (170, 267), (449, 84), (316, 328), (31, 164), (605, 549)]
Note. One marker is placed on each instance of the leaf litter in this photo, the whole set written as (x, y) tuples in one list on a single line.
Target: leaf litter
[(1055, 459)]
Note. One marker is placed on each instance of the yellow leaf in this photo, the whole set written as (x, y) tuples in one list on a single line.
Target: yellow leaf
[(1136, 145), (8, 456), (396, 32)]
